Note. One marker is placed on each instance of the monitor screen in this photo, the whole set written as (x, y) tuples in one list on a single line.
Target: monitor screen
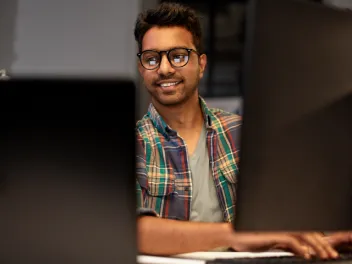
[(295, 167), (67, 190)]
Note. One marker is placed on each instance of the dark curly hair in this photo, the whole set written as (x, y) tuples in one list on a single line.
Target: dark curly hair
[(169, 14)]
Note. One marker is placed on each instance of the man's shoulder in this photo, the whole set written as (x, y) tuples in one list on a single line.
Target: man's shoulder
[(146, 131), (227, 125), (148, 136), (145, 125), (224, 118)]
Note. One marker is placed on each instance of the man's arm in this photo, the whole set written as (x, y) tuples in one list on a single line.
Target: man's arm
[(158, 236)]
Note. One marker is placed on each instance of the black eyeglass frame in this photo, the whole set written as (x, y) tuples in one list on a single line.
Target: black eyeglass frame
[(139, 55)]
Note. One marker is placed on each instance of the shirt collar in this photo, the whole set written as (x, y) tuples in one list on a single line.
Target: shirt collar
[(165, 129)]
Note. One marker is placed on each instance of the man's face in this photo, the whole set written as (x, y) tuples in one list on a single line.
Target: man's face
[(166, 84)]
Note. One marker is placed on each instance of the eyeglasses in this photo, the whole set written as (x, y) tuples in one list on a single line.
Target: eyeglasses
[(178, 57)]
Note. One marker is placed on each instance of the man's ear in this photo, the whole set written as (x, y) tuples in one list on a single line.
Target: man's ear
[(202, 64)]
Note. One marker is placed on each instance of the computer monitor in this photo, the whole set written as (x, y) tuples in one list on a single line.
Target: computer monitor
[(295, 161), (67, 190)]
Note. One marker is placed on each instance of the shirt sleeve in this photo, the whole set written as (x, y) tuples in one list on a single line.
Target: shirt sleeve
[(141, 176)]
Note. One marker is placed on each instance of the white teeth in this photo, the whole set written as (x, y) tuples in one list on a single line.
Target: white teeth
[(168, 84)]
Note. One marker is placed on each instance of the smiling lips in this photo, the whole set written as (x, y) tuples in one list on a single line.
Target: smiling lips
[(168, 84)]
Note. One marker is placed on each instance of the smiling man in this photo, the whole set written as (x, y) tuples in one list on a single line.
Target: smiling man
[(187, 153)]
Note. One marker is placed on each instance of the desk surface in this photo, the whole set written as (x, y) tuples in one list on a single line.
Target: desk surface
[(202, 257)]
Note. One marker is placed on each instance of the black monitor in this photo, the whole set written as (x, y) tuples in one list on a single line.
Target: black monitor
[(296, 161), (67, 190)]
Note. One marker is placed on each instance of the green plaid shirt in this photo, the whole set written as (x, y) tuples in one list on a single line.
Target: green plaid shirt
[(164, 182)]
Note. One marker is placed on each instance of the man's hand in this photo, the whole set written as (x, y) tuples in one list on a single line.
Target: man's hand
[(342, 241), (301, 244)]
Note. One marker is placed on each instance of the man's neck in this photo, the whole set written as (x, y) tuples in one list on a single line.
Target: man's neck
[(182, 117)]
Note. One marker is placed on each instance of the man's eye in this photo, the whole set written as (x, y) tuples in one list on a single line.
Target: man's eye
[(179, 58), (151, 60)]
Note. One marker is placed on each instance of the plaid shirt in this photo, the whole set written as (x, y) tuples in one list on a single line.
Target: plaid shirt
[(164, 182)]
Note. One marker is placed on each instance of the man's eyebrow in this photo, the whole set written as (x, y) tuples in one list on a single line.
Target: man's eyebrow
[(176, 47), (181, 47)]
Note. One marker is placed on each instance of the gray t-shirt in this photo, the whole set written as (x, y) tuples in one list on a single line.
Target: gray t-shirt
[(205, 204)]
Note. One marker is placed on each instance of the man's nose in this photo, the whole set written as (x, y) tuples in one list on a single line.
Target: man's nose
[(165, 68)]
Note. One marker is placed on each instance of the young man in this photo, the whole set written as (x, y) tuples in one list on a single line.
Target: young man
[(187, 154)]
